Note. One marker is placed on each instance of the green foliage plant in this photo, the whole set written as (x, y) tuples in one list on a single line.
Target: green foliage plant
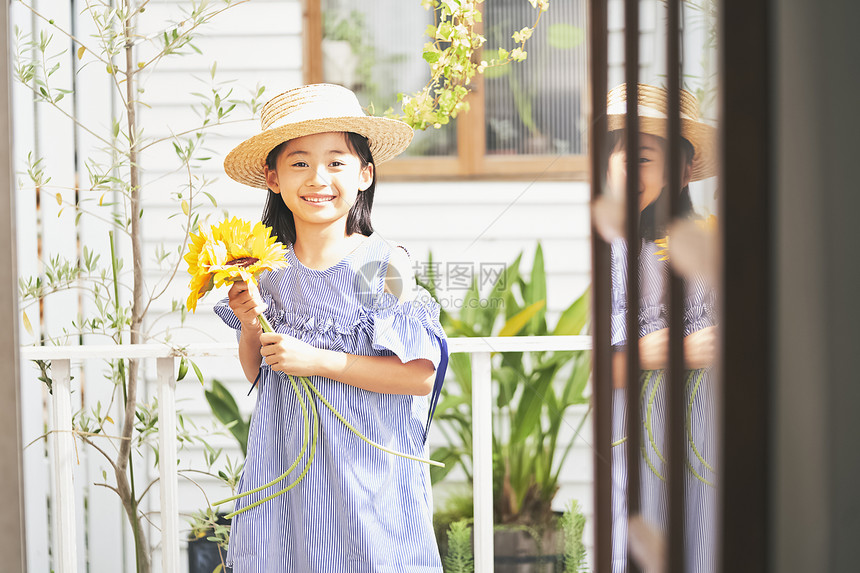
[(534, 391), (109, 191), (352, 29), (572, 526), (460, 558)]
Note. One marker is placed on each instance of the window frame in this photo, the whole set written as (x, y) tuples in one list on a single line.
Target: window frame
[(471, 160)]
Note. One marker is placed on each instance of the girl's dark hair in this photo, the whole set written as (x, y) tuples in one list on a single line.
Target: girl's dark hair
[(278, 216), (654, 218)]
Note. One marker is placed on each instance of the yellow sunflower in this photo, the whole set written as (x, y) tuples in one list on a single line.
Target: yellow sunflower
[(663, 253), (708, 225), (231, 251)]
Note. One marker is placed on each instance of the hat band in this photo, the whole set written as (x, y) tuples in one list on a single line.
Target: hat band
[(312, 112)]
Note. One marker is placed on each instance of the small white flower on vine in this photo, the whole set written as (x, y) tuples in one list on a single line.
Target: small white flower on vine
[(518, 54), (522, 35)]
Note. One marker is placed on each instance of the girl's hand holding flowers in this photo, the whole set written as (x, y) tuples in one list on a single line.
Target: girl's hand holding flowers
[(246, 304), (283, 353)]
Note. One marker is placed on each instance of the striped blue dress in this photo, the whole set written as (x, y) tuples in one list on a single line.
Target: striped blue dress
[(699, 415), (357, 509)]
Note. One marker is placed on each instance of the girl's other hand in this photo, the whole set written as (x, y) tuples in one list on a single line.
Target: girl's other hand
[(247, 305), (284, 353), (700, 348)]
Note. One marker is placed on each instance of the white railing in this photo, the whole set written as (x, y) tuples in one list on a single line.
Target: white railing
[(63, 506)]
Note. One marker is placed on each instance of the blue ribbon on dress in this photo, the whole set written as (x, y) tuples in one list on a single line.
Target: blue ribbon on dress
[(437, 384)]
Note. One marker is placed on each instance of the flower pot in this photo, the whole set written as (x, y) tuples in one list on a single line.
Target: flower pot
[(517, 551), (204, 556), (339, 63)]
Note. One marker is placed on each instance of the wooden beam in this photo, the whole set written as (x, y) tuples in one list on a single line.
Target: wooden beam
[(312, 36), (745, 215)]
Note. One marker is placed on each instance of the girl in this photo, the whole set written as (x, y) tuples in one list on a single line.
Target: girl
[(374, 349), (699, 331)]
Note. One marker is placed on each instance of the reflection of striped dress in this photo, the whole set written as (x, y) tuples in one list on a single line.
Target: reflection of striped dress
[(699, 416), (357, 509)]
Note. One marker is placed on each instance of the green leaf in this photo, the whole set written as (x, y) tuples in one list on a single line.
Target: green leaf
[(528, 415), (507, 379), (470, 312), (575, 386), (197, 371), (431, 57), (499, 293), (461, 366), (183, 369), (226, 411), (517, 322), (537, 292), (574, 318), (446, 455)]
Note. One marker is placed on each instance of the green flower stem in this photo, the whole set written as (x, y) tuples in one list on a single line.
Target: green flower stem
[(359, 434), (642, 447), (264, 324), (690, 423), (307, 466), (301, 453), (650, 410)]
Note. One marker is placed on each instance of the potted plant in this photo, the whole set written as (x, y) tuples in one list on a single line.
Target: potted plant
[(210, 530), (535, 390), (348, 55)]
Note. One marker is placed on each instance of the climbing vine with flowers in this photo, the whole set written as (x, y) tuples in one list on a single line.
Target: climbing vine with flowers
[(452, 53)]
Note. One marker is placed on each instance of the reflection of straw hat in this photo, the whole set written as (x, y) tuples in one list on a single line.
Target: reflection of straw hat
[(653, 105), (307, 110)]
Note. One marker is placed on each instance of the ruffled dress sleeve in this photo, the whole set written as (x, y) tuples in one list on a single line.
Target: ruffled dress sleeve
[(409, 329), (700, 303)]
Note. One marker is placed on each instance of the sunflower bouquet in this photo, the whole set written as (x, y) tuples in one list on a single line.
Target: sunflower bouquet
[(235, 250)]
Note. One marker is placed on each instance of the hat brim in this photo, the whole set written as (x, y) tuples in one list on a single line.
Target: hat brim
[(701, 136), (387, 138)]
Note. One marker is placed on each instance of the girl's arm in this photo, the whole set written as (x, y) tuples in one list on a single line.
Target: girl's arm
[(384, 374)]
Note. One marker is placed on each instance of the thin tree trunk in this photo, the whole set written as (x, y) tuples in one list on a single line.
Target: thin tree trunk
[(125, 480)]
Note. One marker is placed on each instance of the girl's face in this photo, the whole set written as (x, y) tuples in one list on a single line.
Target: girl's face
[(319, 177), (652, 170)]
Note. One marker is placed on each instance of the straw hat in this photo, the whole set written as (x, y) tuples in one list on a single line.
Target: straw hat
[(653, 105), (307, 110)]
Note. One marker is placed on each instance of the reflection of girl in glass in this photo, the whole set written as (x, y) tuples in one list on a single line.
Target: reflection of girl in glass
[(699, 328)]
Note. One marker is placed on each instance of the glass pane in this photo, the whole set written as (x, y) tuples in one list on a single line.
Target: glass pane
[(537, 106), (685, 246), (374, 48)]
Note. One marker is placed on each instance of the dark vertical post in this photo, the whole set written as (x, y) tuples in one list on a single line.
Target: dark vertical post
[(631, 75), (675, 430), (745, 214), (601, 286)]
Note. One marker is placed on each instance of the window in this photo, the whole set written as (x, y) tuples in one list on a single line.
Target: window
[(525, 120)]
